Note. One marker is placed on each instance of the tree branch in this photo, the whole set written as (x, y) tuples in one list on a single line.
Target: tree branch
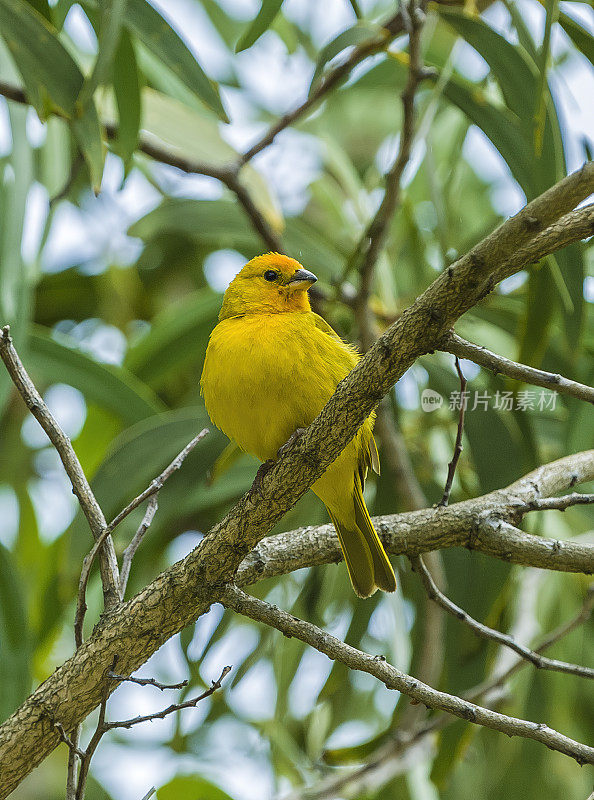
[(413, 16), (521, 372), (445, 498), (150, 492), (80, 485), (403, 742), (392, 28), (135, 629), (393, 678), (542, 662)]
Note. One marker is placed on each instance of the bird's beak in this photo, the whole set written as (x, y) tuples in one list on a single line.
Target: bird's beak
[(301, 277)]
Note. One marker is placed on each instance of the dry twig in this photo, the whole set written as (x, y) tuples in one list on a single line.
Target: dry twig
[(393, 678), (80, 485), (540, 661), (521, 372), (150, 492), (458, 445), (103, 726)]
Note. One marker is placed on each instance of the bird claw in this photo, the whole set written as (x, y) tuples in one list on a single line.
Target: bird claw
[(266, 466), (290, 441), (263, 470)]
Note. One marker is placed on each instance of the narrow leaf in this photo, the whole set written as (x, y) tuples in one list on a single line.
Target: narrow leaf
[(263, 20), (126, 85)]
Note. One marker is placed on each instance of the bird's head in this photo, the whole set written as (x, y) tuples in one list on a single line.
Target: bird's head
[(268, 284)]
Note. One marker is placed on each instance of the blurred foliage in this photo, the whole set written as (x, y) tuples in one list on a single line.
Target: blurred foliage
[(115, 296)]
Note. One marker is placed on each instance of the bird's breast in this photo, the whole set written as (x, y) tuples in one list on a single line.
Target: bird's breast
[(262, 379)]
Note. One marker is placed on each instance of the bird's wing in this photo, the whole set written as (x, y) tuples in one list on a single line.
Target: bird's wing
[(369, 454), (325, 327)]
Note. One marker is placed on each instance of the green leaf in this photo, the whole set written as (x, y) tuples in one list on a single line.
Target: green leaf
[(113, 388), (515, 74), (15, 282), (178, 336), (541, 302), (15, 675), (191, 787), (87, 132), (263, 20), (583, 40), (572, 271), (49, 71), (192, 133), (126, 85), (499, 125), (518, 77), (43, 8), (45, 64), (359, 33), (220, 223), (552, 14), (161, 39), (108, 28)]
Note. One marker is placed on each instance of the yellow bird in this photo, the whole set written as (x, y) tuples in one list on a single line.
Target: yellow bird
[(271, 365)]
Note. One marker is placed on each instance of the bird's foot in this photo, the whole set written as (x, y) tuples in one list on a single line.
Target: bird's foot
[(290, 441), (266, 466), (263, 470)]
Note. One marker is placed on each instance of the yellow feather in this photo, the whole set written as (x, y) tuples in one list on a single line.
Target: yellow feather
[(270, 367)]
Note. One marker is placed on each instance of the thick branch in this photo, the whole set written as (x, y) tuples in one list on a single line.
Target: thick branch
[(521, 372), (176, 597), (393, 678), (418, 532), (80, 485)]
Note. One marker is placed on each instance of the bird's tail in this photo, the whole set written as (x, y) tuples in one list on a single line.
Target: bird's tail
[(367, 563)]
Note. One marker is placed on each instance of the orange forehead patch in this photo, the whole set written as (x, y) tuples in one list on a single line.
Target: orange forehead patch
[(285, 265)]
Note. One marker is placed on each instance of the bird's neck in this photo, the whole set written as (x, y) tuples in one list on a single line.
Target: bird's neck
[(236, 306)]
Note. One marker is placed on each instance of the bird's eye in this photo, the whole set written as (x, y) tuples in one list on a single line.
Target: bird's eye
[(270, 275)]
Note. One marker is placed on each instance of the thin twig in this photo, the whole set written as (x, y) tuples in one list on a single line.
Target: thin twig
[(549, 640), (73, 763), (334, 78), (128, 723), (80, 485), (371, 243), (458, 446), (542, 662), (149, 794), (147, 682), (130, 551), (414, 17), (560, 503), (68, 741), (499, 364), (393, 678), (103, 726), (157, 483), (95, 739), (152, 489)]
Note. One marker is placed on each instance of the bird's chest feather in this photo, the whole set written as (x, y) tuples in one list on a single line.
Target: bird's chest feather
[(263, 379)]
